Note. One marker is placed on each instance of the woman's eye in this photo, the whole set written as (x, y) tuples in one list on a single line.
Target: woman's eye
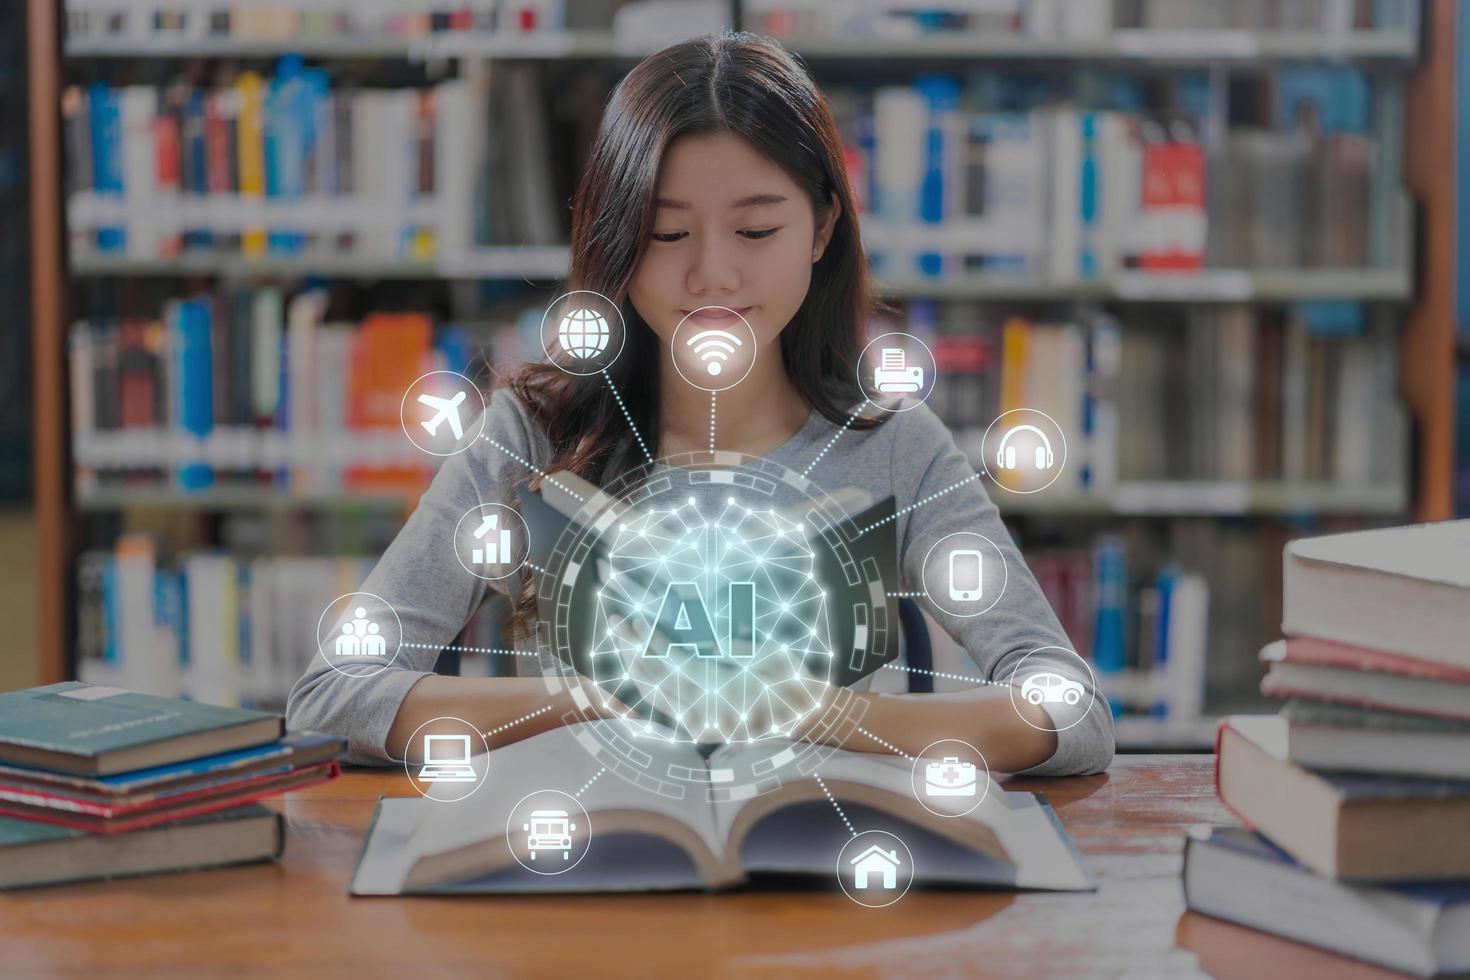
[(668, 236), (760, 233)]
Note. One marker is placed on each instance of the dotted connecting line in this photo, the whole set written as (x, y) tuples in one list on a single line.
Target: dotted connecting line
[(535, 567), (850, 419), (907, 595), (886, 744), (628, 416), (468, 649), (712, 420), (501, 728), (919, 503), (591, 781), (835, 804), (940, 673), (534, 468)]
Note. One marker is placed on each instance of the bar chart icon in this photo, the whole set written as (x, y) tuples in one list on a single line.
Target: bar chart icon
[(494, 546)]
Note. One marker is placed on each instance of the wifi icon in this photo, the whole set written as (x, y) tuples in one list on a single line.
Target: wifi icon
[(713, 348)]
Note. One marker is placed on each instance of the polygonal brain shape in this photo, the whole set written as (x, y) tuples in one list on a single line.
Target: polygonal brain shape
[(714, 628)]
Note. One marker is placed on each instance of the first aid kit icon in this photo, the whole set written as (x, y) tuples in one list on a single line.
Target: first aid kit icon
[(949, 777)]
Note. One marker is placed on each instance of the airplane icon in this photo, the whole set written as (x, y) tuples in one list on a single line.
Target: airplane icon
[(448, 409)]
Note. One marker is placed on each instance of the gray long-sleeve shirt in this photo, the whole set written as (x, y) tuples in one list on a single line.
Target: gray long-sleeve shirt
[(911, 456)]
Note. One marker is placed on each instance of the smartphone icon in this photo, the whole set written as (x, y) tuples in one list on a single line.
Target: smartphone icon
[(964, 575)]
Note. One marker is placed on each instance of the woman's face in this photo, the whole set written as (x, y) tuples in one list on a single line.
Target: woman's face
[(731, 230)]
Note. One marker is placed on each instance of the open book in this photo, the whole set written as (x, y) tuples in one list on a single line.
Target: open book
[(644, 841)]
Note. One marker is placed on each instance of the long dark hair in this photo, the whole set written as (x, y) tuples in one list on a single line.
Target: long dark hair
[(736, 83)]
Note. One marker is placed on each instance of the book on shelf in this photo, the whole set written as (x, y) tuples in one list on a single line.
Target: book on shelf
[(250, 637), (1419, 928), (1351, 826), (989, 174), (879, 20), (251, 388), (648, 842), (1239, 382), (290, 166), (305, 21), (34, 854)]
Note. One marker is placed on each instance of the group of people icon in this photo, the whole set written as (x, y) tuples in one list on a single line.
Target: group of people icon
[(360, 638)]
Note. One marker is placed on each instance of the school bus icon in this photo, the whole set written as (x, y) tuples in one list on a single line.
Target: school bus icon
[(549, 830)]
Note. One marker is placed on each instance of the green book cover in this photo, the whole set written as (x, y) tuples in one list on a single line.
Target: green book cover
[(81, 727), (34, 854), (15, 832)]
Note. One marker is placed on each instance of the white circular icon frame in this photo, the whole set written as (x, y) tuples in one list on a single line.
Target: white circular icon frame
[(321, 641), (982, 777), (842, 860), (469, 438), (1015, 689), (675, 342), (993, 469), (932, 595), (498, 508), (481, 777), (603, 361), (510, 829), (916, 398)]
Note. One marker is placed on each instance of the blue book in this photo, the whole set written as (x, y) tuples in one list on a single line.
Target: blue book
[(1109, 645), (294, 751), (194, 382), (455, 347), (95, 731), (287, 125), (942, 94), (1164, 584), (105, 115), (1420, 928)]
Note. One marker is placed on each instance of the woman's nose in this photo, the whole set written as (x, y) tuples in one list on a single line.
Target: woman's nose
[(713, 270)]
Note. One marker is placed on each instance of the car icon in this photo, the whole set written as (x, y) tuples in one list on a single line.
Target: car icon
[(1049, 687)]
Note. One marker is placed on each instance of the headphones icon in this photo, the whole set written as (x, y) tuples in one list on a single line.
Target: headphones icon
[(1005, 457)]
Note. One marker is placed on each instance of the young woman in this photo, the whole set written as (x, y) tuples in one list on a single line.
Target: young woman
[(716, 179)]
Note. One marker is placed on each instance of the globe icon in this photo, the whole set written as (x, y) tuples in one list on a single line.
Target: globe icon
[(582, 333)]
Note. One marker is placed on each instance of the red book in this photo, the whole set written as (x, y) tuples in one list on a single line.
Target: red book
[(1322, 670), (167, 158), (176, 809), (216, 144)]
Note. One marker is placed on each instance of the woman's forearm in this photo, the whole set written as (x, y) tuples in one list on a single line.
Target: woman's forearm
[(985, 717), (485, 702)]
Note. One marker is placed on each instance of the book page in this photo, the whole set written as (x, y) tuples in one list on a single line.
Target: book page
[(1009, 839), (556, 760)]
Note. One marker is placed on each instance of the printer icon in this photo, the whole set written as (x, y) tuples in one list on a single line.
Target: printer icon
[(894, 376)]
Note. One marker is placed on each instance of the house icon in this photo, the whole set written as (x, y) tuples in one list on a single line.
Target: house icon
[(874, 860)]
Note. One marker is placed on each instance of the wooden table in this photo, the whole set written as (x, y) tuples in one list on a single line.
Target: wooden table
[(295, 918)]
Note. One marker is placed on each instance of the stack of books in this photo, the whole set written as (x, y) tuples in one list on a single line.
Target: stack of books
[(1359, 789), (97, 782)]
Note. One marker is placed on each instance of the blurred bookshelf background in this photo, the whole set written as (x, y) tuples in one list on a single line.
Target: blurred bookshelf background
[(1216, 242)]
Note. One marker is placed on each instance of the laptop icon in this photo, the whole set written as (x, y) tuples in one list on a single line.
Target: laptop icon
[(447, 759)]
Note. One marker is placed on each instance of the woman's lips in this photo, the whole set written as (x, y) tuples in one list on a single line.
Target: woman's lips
[(717, 314)]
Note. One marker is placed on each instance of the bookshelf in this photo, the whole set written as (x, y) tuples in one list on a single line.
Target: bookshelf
[(1421, 284), (1129, 47)]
